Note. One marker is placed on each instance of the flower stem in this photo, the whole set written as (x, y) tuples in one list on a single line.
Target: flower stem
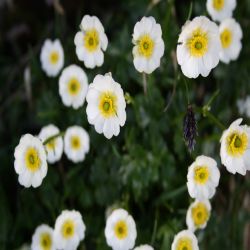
[(51, 138), (144, 80), (154, 228), (215, 120), (186, 86), (213, 97), (206, 113)]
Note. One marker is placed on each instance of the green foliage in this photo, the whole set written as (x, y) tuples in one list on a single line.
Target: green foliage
[(143, 169)]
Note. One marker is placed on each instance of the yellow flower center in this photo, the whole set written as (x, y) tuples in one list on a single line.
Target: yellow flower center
[(236, 143), (91, 40), (107, 104), (145, 46), (32, 159), (184, 243), (74, 86), (51, 145), (45, 241), (218, 4), (197, 44), (226, 38), (121, 229), (54, 57), (201, 174), (200, 214), (75, 142), (68, 229)]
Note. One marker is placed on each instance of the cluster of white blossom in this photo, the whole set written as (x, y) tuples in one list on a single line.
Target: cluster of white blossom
[(33, 152), (68, 232), (201, 45)]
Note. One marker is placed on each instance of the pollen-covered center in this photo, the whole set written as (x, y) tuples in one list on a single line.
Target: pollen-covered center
[(108, 104), (226, 38), (91, 40), (74, 86), (45, 241), (54, 57), (121, 229), (32, 159), (145, 46), (184, 243), (218, 4), (197, 44), (68, 229), (236, 143), (201, 174), (75, 142), (51, 144), (200, 214)]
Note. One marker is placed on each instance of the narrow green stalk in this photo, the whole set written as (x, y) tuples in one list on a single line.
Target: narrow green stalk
[(190, 10), (215, 94), (144, 80), (206, 113), (187, 91), (215, 120), (51, 138), (154, 228)]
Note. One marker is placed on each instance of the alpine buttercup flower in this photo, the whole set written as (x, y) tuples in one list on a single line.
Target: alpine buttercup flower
[(52, 57), (149, 46), (54, 147), (30, 161), (235, 148), (43, 239), (230, 36), (198, 47), (220, 9), (69, 230), (144, 247), (120, 230), (185, 240), (91, 41), (73, 86), (203, 178), (76, 143), (244, 106), (198, 215), (106, 105)]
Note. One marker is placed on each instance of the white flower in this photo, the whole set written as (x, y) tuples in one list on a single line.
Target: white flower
[(52, 57), (73, 86), (149, 46), (30, 161), (203, 177), (198, 214), (244, 106), (230, 35), (235, 148), (106, 105), (198, 47), (120, 230), (91, 41), (42, 239), (69, 230), (76, 143), (241, 106), (185, 240), (54, 147), (144, 247), (25, 246), (220, 9)]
